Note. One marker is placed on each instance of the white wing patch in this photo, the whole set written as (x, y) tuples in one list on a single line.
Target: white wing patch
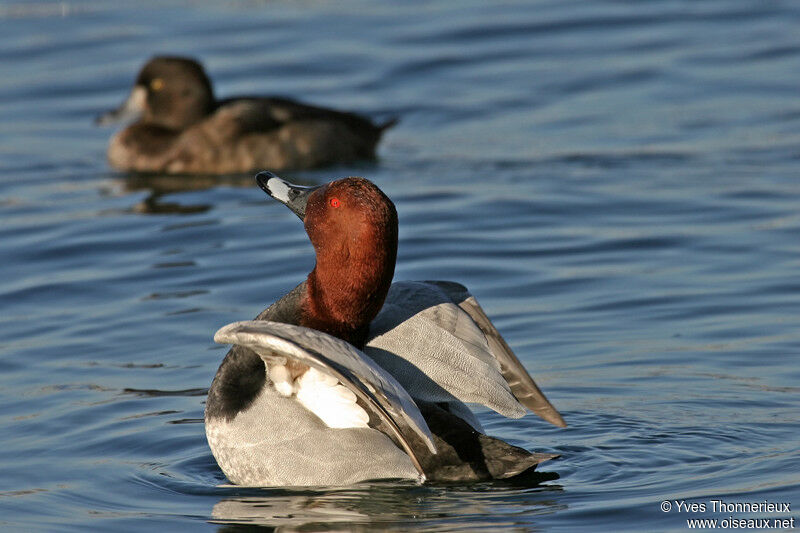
[(323, 395), (382, 396), (282, 379)]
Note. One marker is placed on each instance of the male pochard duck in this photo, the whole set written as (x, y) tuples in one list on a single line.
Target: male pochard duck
[(349, 377), (182, 128)]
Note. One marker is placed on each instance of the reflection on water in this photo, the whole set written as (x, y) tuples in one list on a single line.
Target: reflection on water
[(155, 205), (388, 506), (162, 185)]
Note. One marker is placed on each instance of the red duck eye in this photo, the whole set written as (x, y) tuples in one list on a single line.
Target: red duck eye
[(334, 202)]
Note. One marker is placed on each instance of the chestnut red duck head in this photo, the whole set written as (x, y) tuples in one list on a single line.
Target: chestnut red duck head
[(352, 225)]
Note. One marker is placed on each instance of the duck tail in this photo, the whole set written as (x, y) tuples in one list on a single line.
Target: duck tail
[(504, 460), (464, 454), (388, 124), (374, 136)]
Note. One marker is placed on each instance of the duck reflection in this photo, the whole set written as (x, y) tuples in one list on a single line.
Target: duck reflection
[(165, 183), (160, 186), (389, 506)]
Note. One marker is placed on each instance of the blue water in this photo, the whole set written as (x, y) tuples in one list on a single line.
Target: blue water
[(617, 183)]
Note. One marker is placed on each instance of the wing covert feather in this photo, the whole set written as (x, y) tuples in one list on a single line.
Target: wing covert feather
[(522, 384), (383, 396)]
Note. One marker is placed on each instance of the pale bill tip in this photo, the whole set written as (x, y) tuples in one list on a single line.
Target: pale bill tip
[(278, 189)]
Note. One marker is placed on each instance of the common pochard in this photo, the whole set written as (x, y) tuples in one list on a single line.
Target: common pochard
[(350, 377)]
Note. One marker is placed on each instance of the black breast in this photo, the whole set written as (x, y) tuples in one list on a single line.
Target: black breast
[(238, 381)]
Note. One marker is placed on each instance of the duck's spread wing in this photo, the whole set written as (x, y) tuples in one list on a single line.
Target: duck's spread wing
[(437, 341), (383, 397), (436, 351), (522, 384)]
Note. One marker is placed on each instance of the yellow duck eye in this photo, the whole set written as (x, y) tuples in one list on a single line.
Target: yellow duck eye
[(157, 84)]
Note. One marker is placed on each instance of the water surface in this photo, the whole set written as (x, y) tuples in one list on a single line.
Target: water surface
[(616, 182)]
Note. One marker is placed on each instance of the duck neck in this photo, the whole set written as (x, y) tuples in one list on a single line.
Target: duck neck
[(346, 290)]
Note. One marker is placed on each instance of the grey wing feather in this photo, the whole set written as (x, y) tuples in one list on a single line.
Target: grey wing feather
[(383, 396), (522, 384), (436, 351)]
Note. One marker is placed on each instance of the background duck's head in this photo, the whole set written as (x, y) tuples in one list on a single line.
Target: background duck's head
[(171, 92)]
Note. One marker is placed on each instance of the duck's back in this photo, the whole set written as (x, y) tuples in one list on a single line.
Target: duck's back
[(244, 134)]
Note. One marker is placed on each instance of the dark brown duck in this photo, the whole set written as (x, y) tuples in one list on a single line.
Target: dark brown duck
[(181, 128)]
